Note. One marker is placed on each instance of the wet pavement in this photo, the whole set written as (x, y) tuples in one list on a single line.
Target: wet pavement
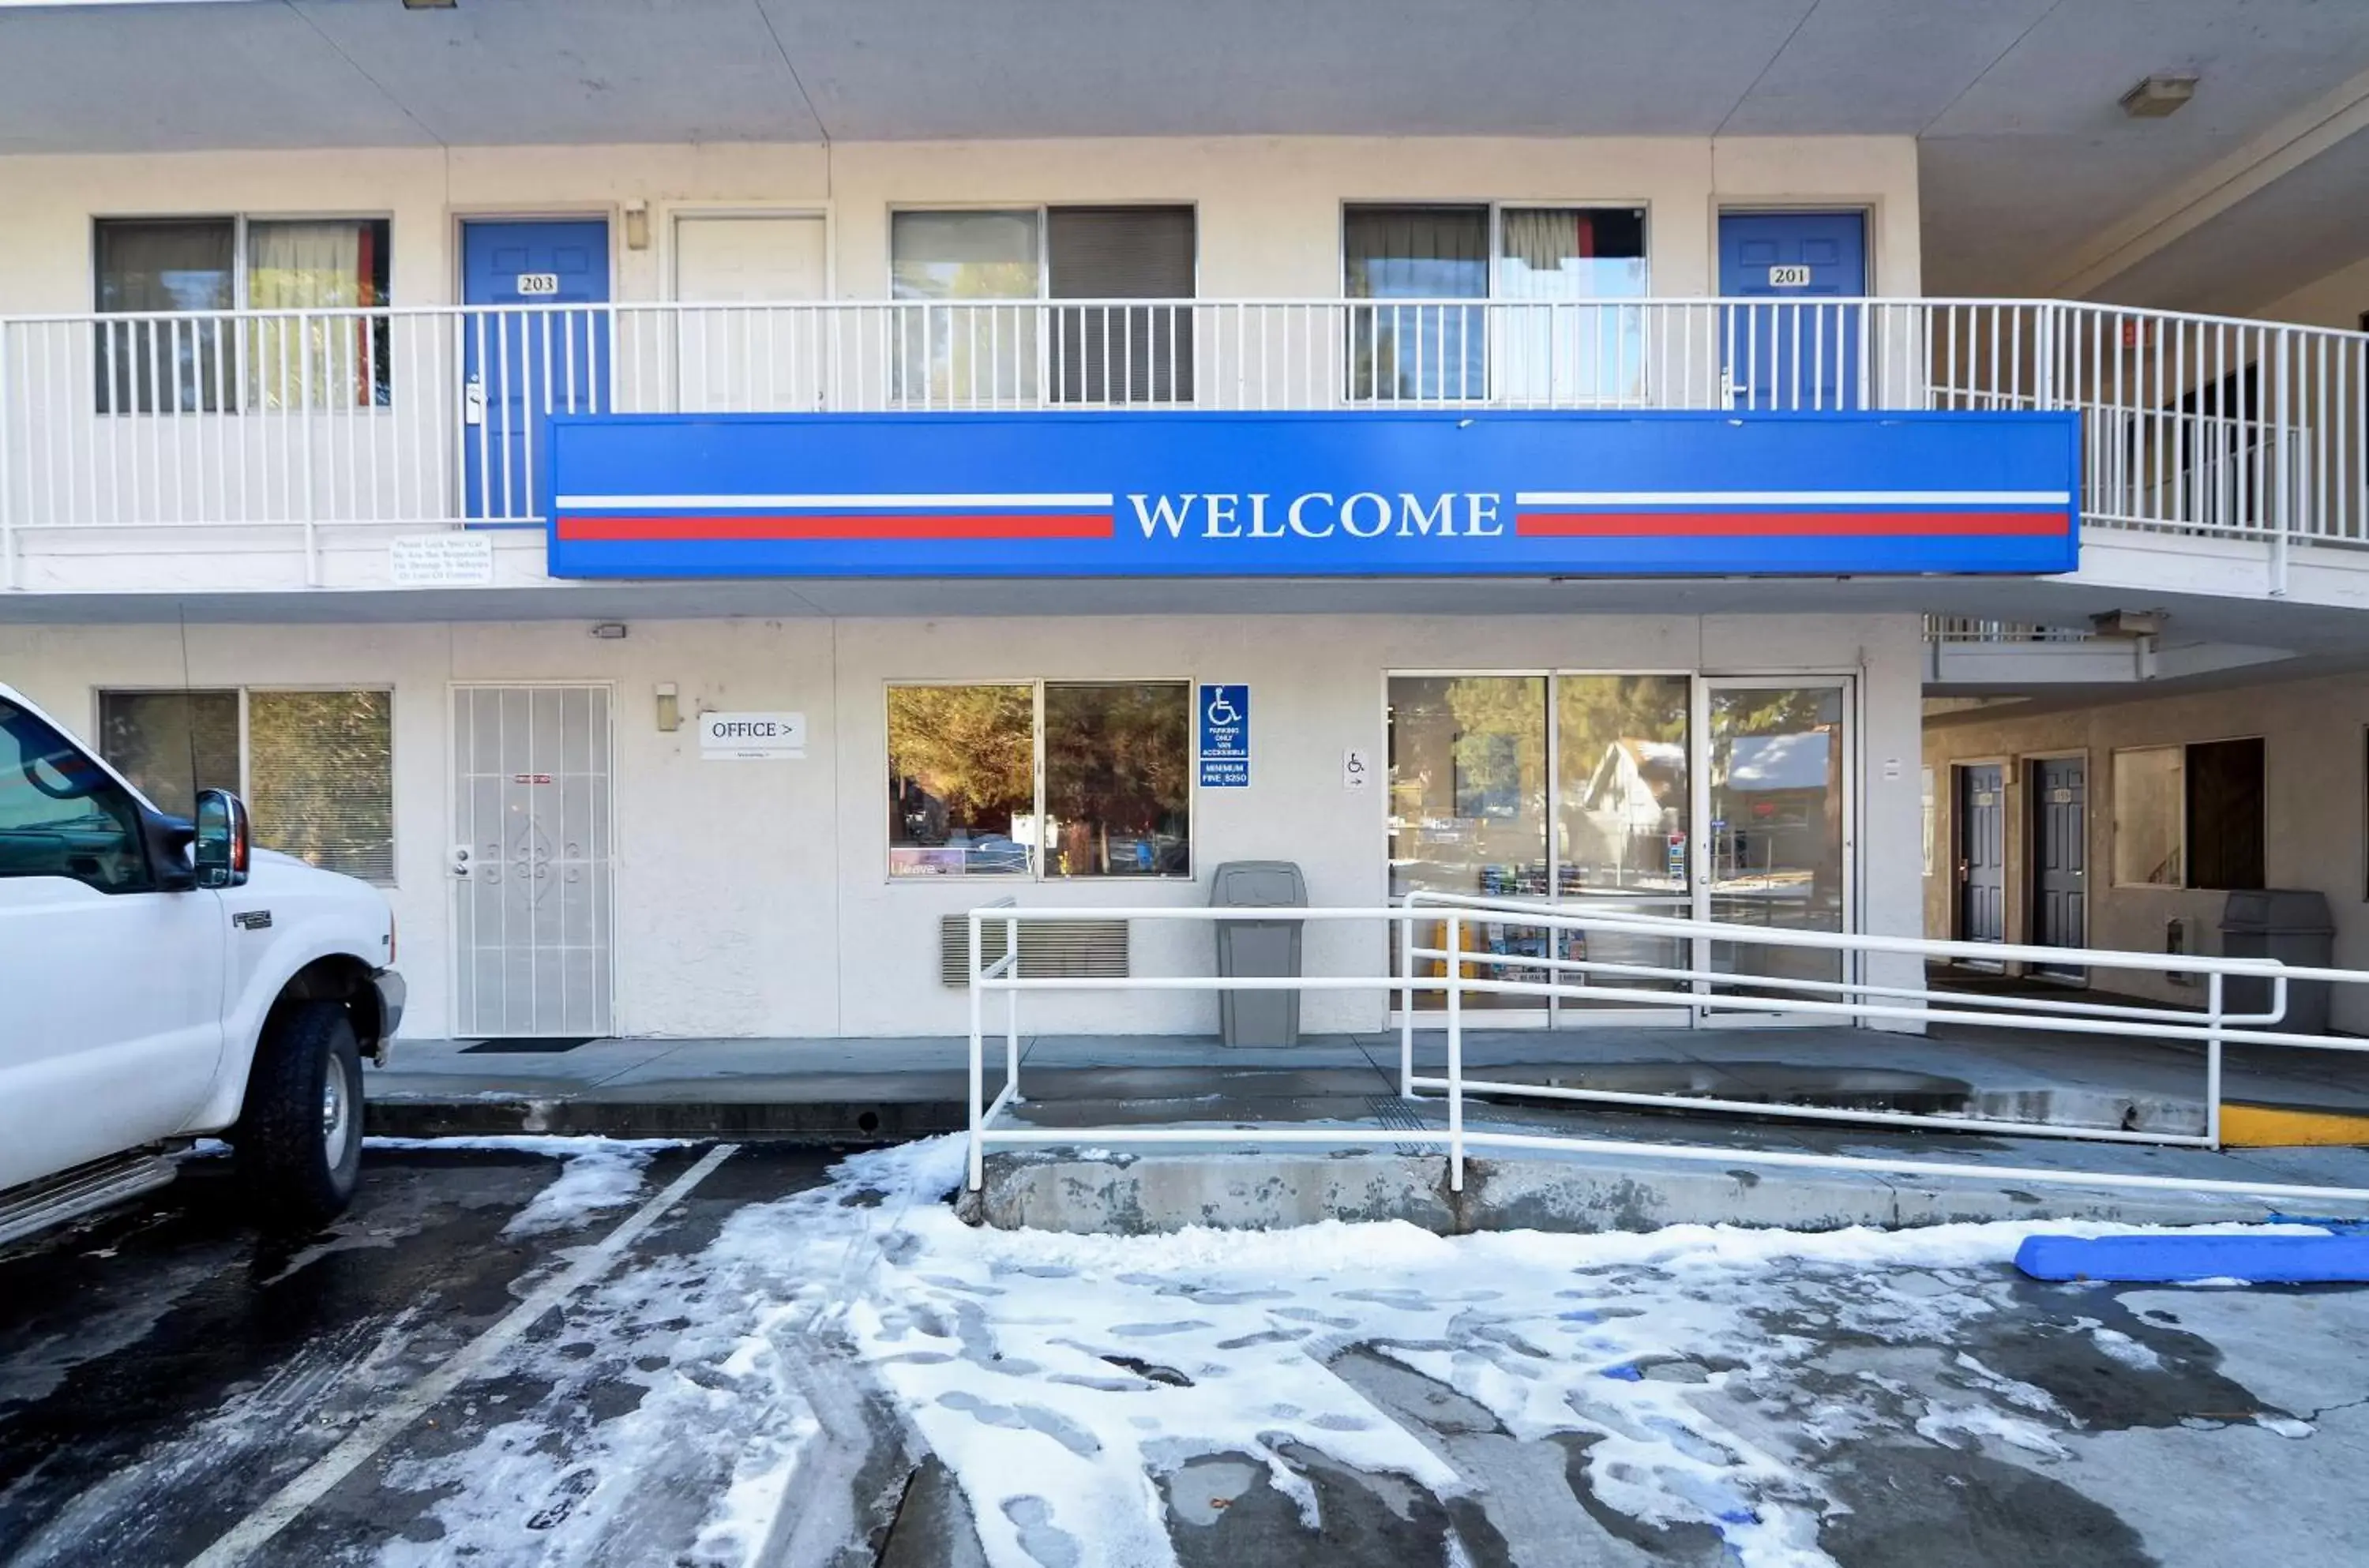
[(751, 1378)]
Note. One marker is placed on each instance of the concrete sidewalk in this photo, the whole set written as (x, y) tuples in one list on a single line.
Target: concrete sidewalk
[(856, 1089), (871, 1091)]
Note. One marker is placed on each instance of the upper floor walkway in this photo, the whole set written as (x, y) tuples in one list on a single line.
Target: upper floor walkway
[(2219, 456)]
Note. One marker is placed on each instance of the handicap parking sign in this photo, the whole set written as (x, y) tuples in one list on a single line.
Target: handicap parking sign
[(1225, 725)]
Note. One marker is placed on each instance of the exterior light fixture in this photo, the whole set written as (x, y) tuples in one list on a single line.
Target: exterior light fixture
[(669, 708), (2128, 624), (610, 631), (637, 226), (2159, 94)]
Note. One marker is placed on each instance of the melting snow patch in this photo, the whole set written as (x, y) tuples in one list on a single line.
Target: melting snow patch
[(2119, 1347), (596, 1173)]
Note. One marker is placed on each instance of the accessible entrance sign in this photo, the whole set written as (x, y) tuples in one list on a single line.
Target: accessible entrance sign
[(1225, 737)]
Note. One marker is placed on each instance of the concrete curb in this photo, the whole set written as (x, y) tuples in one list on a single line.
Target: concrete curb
[(820, 1122), (1092, 1192)]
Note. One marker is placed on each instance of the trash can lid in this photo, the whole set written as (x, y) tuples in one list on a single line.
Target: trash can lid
[(2271, 911), (1257, 884)]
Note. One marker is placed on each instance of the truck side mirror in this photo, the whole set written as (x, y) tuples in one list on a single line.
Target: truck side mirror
[(221, 846)]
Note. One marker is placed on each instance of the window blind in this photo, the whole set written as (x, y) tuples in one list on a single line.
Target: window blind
[(321, 778), (1121, 354)]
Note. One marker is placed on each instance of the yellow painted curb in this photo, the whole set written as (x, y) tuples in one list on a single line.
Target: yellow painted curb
[(2278, 1127)]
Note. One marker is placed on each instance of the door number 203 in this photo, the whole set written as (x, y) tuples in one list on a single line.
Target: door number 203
[(543, 285), (1778, 278)]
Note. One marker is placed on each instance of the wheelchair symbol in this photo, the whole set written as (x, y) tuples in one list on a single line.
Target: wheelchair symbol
[(1223, 712)]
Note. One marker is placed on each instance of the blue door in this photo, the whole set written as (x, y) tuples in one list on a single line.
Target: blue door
[(518, 367), (1802, 355)]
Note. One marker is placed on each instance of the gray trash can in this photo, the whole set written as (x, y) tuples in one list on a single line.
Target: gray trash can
[(2293, 926), (1254, 948)]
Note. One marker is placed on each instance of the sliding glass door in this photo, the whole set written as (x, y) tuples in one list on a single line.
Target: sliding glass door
[(1623, 806), (1468, 815), (1776, 797), (1657, 794)]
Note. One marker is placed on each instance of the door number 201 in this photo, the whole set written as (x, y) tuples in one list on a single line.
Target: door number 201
[(543, 285), (1778, 278)]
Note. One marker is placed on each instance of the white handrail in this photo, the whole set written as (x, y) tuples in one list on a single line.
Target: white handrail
[(2213, 1028), (424, 416)]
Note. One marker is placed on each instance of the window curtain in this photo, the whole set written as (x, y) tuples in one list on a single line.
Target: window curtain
[(293, 362), (1576, 354), (172, 744), (1417, 352), (173, 265), (960, 347)]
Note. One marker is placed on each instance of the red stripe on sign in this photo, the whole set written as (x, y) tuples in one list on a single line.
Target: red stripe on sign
[(1722, 524), (811, 525)]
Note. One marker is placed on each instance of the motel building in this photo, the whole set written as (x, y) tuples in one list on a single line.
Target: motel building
[(692, 498)]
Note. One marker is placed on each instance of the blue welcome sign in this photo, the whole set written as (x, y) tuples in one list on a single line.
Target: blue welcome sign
[(1377, 493)]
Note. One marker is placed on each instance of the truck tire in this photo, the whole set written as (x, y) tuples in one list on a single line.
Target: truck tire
[(299, 1141)]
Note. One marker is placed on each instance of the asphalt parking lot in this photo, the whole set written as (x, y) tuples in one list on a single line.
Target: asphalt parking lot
[(164, 1370), (611, 1354)]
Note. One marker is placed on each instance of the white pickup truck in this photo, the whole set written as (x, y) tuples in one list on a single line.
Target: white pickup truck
[(160, 982)]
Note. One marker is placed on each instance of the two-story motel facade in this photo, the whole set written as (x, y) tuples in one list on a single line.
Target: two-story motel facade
[(687, 536)]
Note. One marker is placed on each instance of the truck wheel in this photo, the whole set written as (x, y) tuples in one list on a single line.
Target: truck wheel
[(299, 1141)]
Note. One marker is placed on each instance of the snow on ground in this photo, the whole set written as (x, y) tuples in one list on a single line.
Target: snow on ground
[(1062, 1379), (1060, 1376)]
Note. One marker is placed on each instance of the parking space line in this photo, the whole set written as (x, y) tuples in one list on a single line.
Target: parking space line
[(313, 1483)]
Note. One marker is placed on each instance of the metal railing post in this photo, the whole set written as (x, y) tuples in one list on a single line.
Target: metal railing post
[(1012, 1007), (978, 1067), (2043, 358), (1455, 947), (2212, 1009), (2282, 463), (1406, 1002), (306, 435)]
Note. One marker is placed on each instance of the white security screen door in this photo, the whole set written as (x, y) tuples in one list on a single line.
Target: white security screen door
[(532, 914)]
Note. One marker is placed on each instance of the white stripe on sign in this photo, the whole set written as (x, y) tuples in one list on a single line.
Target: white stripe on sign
[(826, 503), (388, 1421), (1792, 497)]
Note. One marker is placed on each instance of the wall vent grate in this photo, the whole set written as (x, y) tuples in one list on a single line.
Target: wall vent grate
[(1082, 949)]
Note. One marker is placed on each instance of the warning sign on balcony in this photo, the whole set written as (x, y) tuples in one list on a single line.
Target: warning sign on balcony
[(441, 560)]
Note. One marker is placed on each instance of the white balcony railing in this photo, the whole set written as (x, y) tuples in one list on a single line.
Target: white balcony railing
[(435, 417)]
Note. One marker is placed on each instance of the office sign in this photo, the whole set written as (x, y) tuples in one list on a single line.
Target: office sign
[(1380, 493), (1225, 721), (752, 737)]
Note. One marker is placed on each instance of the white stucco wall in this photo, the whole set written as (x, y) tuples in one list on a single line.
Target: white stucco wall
[(2313, 747), (753, 898), (1269, 208)]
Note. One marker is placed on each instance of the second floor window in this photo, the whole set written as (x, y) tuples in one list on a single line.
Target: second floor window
[(1528, 347), (992, 343), (173, 354)]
